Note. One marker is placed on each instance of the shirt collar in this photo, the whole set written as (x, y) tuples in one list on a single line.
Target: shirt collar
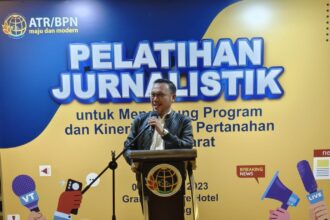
[(168, 113)]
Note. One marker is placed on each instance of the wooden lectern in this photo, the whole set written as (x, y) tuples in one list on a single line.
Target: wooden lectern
[(161, 181)]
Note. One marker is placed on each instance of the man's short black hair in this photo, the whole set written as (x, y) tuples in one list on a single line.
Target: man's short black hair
[(170, 84)]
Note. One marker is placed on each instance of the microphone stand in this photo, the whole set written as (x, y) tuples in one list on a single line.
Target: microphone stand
[(113, 166)]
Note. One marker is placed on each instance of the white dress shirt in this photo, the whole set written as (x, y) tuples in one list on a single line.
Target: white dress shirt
[(157, 140)]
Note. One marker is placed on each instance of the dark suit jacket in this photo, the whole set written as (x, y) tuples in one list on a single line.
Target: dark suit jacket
[(179, 137)]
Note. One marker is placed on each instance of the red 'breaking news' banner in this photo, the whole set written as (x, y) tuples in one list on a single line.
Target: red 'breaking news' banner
[(322, 153)]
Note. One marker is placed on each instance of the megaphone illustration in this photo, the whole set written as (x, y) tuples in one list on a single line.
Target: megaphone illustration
[(278, 191)]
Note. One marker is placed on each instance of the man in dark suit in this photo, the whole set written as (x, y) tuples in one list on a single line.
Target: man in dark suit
[(170, 130), (167, 129)]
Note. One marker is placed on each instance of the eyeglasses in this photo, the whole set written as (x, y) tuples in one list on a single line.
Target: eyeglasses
[(158, 95)]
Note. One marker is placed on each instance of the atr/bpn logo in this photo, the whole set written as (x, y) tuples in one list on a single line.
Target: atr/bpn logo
[(14, 26), (164, 180)]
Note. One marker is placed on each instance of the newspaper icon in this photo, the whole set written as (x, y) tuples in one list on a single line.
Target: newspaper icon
[(322, 168)]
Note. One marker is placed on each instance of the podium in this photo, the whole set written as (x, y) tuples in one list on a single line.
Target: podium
[(161, 181)]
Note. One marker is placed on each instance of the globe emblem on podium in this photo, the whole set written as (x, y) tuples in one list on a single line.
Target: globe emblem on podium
[(164, 180), (14, 26)]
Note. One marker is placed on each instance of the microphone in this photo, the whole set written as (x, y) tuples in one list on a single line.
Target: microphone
[(307, 176), (309, 182), (24, 187), (151, 128), (153, 114)]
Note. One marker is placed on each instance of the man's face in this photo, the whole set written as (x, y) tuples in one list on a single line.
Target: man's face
[(161, 98)]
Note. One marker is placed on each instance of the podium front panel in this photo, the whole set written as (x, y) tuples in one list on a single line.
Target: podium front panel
[(164, 188)]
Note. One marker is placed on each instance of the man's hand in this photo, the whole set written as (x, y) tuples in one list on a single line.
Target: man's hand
[(69, 200), (155, 123), (318, 211), (36, 216), (279, 214)]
